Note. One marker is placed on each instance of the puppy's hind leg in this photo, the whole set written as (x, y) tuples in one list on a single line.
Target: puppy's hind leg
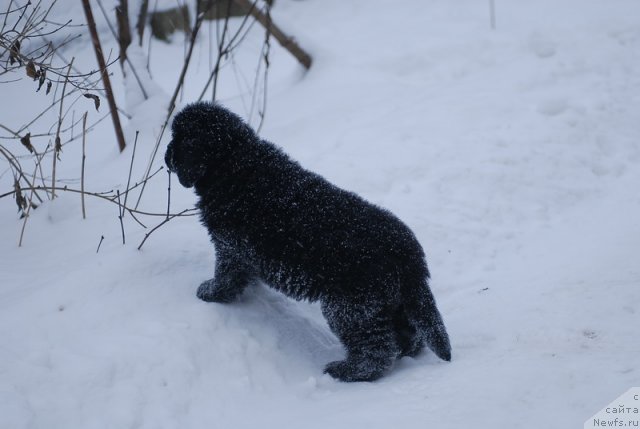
[(231, 278), (408, 337), (367, 333)]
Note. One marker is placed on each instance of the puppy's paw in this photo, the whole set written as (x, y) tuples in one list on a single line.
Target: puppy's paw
[(346, 370), (209, 292)]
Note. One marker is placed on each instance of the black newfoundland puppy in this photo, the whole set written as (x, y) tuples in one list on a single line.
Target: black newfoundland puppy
[(272, 220)]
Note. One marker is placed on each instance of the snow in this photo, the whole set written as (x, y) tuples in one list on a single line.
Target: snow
[(513, 155)]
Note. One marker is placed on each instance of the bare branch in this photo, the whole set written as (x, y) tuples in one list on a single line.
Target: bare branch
[(146, 236), (100, 243), (120, 216), (57, 144), (126, 58), (84, 135), (27, 211), (105, 76), (287, 42), (124, 31), (172, 103), (169, 194), (133, 155), (102, 196), (142, 20)]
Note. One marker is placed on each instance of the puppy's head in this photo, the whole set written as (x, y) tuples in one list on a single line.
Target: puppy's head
[(204, 137)]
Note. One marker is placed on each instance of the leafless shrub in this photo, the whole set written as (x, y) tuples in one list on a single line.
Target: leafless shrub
[(27, 52), (29, 151)]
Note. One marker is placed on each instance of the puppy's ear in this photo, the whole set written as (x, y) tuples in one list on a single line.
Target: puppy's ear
[(187, 160)]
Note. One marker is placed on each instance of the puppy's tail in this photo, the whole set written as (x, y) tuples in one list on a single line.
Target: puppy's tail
[(423, 314)]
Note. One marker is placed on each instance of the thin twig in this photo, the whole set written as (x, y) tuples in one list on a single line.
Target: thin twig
[(26, 213), (100, 244), (73, 121), (126, 58), (137, 220), (169, 194), (21, 16), (223, 50), (133, 155), (127, 191), (57, 146), (221, 53), (6, 14), (40, 168), (10, 130), (18, 169), (185, 66), (120, 212), (266, 49), (182, 213), (84, 135), (172, 103), (190, 212)]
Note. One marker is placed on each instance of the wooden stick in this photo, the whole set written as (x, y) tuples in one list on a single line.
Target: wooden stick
[(287, 42), (142, 20), (105, 75), (124, 31)]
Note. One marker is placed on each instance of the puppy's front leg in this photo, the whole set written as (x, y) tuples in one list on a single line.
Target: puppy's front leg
[(231, 277)]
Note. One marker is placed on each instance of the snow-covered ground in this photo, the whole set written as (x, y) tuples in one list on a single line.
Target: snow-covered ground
[(514, 155)]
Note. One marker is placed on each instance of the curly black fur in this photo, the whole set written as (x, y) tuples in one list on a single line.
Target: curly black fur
[(271, 220)]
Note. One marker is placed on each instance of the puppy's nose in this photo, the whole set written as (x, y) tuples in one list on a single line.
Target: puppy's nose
[(168, 157)]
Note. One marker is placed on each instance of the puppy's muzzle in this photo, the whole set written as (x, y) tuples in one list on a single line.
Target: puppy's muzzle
[(168, 158)]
